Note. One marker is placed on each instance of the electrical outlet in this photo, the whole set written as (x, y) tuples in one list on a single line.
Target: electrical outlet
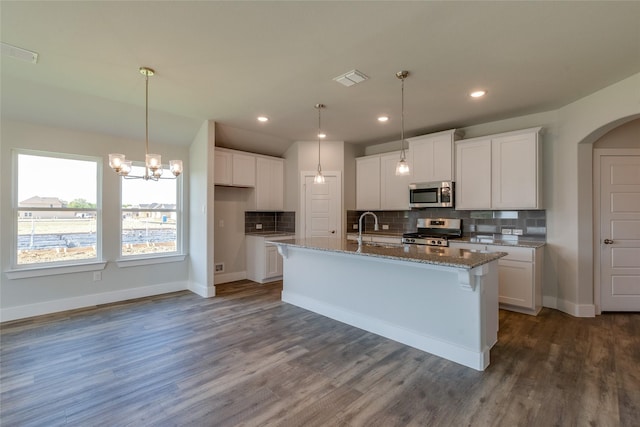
[(258, 226), (385, 226), (517, 231), (506, 231), (219, 267), (97, 276), (355, 226)]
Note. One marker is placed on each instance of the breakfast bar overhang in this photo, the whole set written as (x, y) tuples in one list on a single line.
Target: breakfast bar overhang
[(440, 300)]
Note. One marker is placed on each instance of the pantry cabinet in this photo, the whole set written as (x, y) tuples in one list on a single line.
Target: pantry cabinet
[(519, 275), (500, 172), (433, 156)]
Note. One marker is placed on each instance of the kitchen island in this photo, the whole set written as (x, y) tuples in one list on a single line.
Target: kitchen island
[(440, 300)]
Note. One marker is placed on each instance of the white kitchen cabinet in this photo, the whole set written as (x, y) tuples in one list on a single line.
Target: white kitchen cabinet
[(500, 171), (520, 276), (264, 263), (377, 186), (516, 178), (234, 168), (269, 193), (394, 190), (368, 183), (433, 156), (473, 174)]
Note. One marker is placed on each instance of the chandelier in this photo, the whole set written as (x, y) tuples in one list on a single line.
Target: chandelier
[(402, 167), (319, 178), (153, 162)]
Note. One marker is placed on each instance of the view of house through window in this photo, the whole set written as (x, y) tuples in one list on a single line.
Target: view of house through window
[(150, 215), (57, 209)]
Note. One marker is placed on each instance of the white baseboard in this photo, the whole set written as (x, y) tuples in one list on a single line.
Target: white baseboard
[(230, 277), (202, 289), (55, 306), (577, 310)]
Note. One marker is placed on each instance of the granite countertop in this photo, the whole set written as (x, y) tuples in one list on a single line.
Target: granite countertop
[(449, 257), (270, 233), (498, 240)]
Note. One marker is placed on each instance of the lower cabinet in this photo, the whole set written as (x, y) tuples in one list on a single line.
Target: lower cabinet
[(264, 263), (520, 276)]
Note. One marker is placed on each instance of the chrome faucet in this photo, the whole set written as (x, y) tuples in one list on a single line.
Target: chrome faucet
[(360, 226)]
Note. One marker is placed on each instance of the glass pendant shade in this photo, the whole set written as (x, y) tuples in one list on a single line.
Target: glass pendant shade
[(153, 161), (116, 160), (175, 166), (319, 178), (402, 167)]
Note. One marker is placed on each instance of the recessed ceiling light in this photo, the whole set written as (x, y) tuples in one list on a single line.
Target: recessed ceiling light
[(383, 119), (478, 93), (263, 119), (322, 135)]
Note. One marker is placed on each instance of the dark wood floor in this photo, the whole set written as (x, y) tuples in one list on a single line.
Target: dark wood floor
[(245, 358)]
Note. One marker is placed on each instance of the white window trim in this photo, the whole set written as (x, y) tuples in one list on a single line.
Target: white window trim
[(18, 271), (51, 270), (153, 259)]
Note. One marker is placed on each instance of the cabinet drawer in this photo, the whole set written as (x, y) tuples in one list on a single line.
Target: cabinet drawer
[(514, 253)]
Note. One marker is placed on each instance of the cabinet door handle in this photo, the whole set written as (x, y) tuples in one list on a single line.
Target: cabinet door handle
[(333, 231), (608, 241)]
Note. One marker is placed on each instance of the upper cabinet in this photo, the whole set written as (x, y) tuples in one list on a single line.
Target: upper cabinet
[(368, 183), (269, 194), (433, 156), (234, 168), (500, 171), (264, 173), (377, 186)]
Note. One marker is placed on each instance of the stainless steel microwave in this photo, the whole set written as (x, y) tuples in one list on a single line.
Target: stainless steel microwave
[(431, 194)]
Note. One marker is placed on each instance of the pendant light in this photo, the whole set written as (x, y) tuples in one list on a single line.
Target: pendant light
[(402, 167), (319, 178), (153, 162)]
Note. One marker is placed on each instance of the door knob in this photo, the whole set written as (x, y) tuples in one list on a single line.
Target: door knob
[(608, 241)]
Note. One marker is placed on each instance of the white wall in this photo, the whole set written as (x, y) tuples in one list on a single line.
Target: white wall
[(201, 249), (39, 295), (625, 136)]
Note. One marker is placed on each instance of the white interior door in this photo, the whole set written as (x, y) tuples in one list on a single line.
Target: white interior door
[(620, 233), (321, 206)]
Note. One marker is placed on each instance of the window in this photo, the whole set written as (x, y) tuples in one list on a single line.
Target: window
[(57, 209), (151, 216)]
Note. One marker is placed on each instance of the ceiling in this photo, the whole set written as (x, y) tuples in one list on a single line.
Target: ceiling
[(232, 61)]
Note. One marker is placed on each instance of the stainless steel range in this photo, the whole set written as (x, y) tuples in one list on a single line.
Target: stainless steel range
[(434, 232)]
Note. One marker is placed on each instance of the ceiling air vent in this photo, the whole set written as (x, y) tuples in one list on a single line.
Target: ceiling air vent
[(19, 53), (351, 77)]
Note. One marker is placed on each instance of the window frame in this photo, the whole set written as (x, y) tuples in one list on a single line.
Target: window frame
[(18, 271), (159, 257)]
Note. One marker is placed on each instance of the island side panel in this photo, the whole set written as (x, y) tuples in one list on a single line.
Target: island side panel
[(418, 304)]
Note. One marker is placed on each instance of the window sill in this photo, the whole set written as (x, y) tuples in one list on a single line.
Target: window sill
[(26, 272), (134, 262)]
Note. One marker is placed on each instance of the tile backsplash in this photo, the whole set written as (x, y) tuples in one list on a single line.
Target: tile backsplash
[(271, 221), (533, 223)]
